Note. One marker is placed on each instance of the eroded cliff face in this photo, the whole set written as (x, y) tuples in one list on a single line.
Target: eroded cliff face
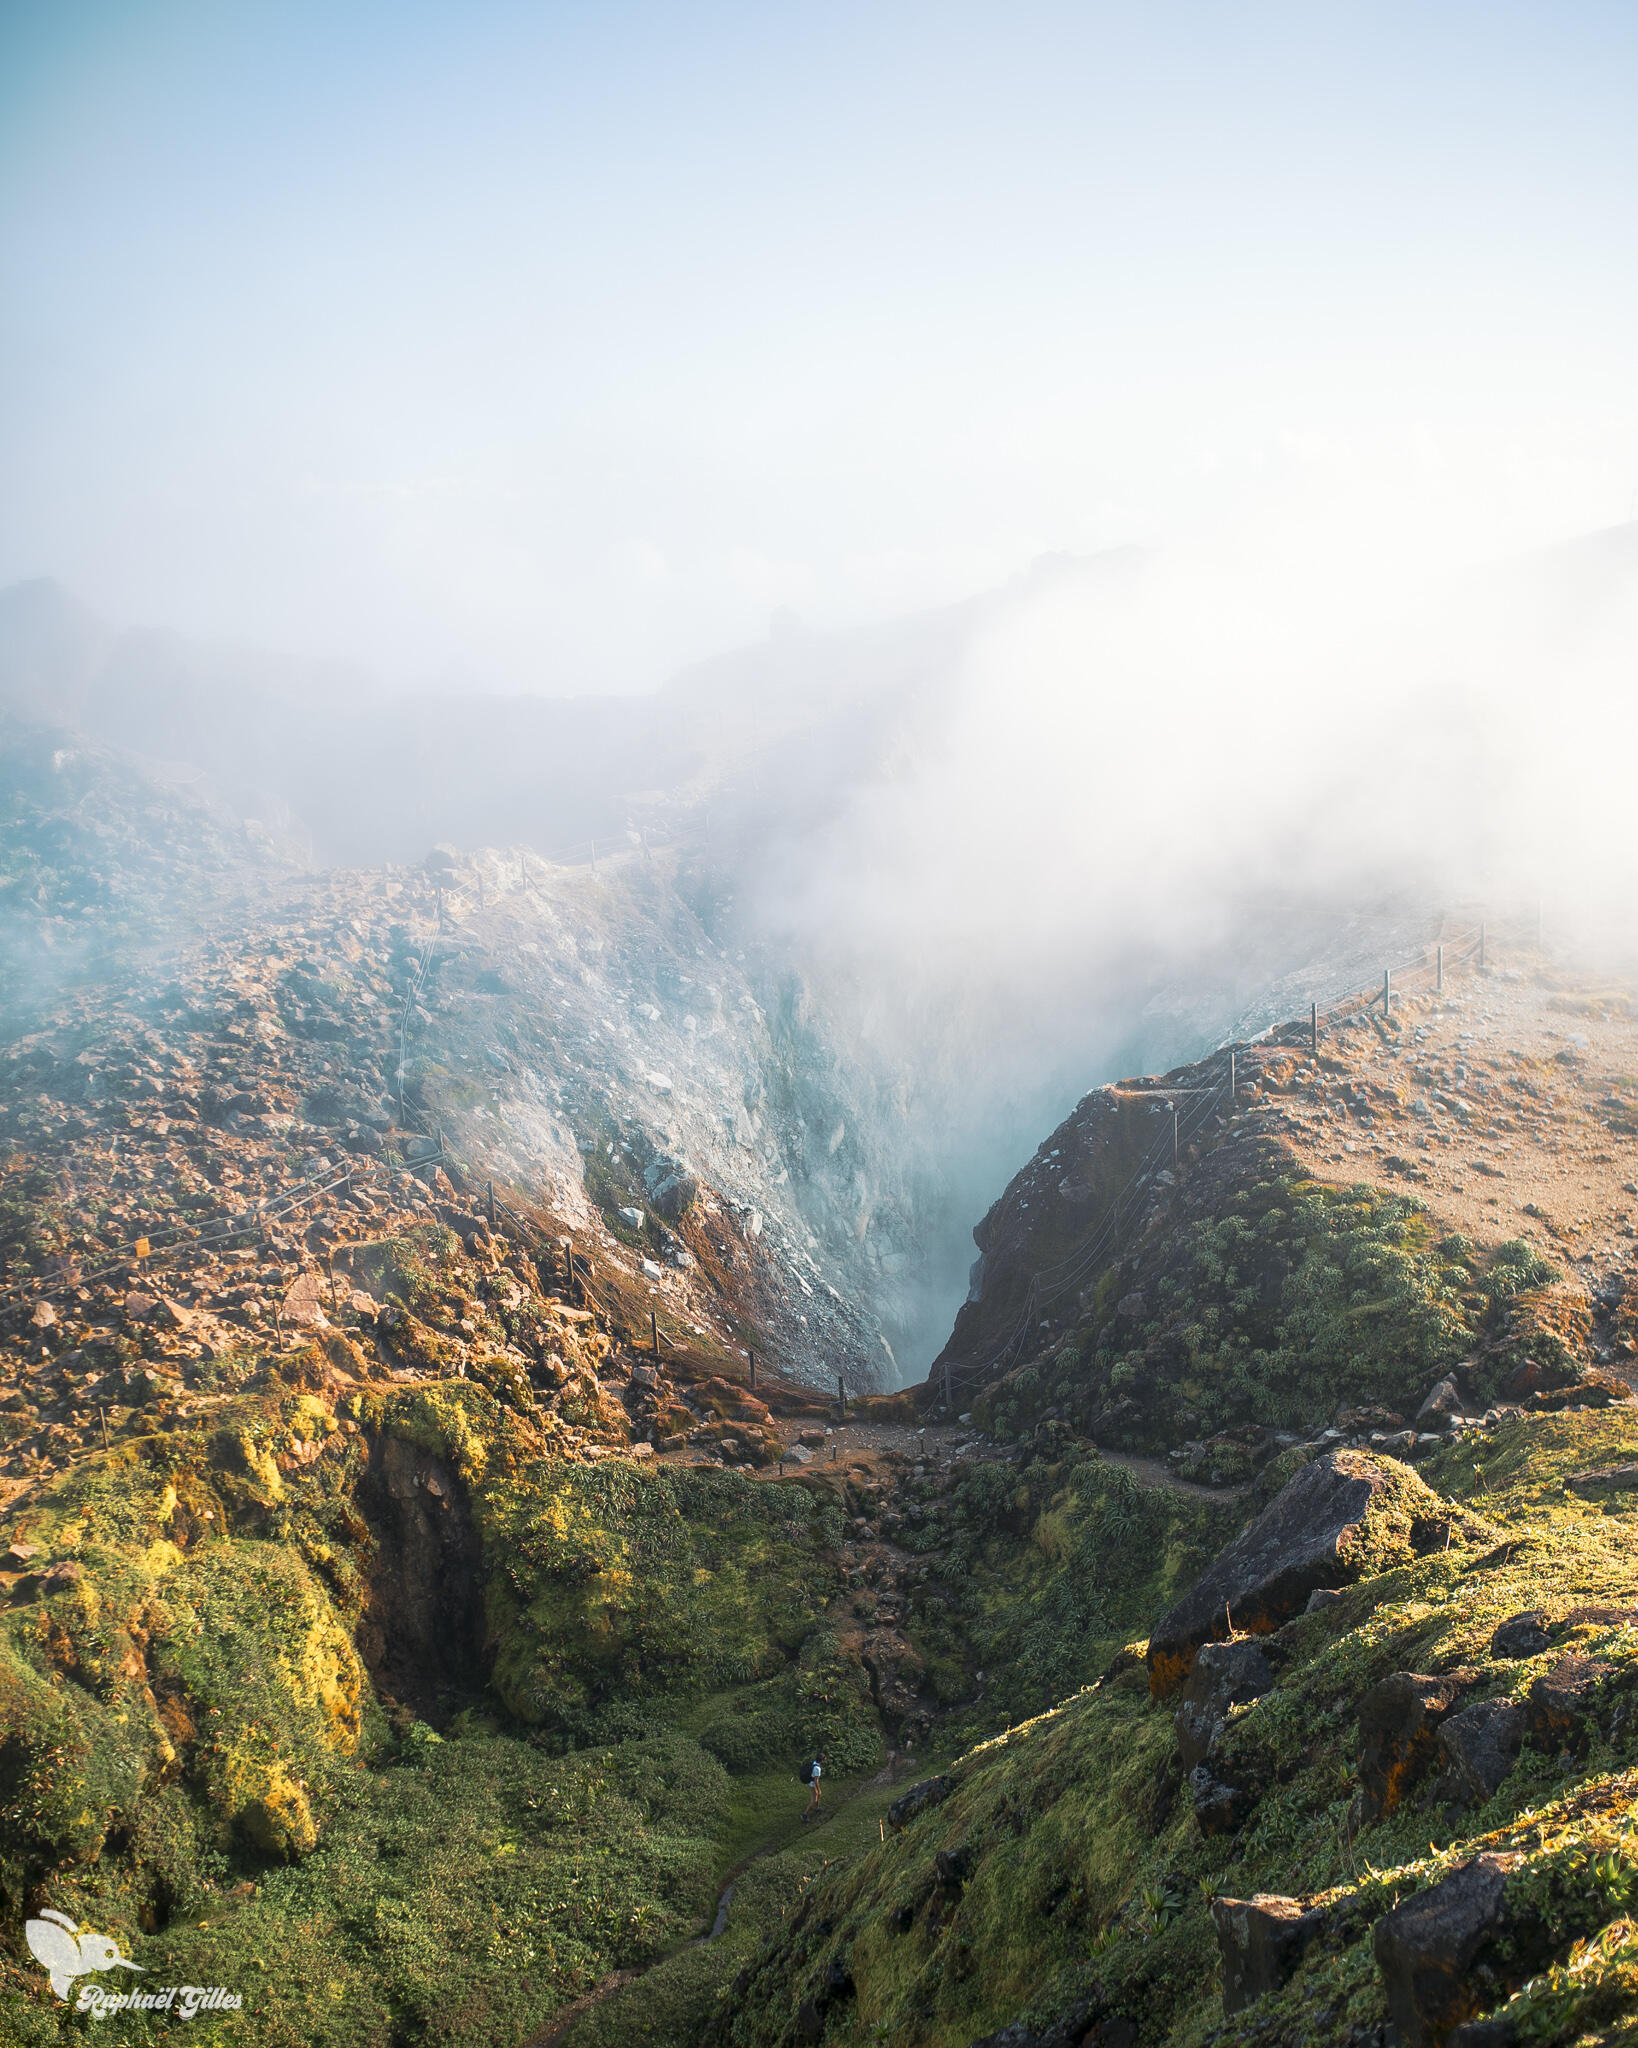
[(590, 1040), (599, 1038)]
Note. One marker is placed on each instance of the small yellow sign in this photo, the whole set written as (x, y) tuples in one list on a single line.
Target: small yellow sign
[(142, 1247)]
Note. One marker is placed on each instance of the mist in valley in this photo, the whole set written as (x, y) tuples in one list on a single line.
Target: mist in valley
[(1038, 650)]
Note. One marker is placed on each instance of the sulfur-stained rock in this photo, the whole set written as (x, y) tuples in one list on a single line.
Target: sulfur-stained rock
[(1300, 1541), (1262, 1940), (1398, 1728), (1426, 1950), (1223, 1675)]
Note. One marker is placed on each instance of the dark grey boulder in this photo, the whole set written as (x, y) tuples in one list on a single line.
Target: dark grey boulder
[(1224, 1674), (1426, 1950), (1266, 1574), (1496, 2033), (1262, 1940), (1218, 1808), (1520, 1635), (1480, 1746), (1399, 1722), (929, 1793), (1563, 1702)]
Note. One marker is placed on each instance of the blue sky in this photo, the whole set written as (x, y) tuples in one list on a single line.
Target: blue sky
[(553, 347)]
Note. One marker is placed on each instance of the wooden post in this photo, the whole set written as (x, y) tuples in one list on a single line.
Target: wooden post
[(1232, 1078), (490, 1186), (841, 1396), (1439, 969), (752, 1356), (654, 1332), (102, 1417), (1385, 995), (1313, 1027)]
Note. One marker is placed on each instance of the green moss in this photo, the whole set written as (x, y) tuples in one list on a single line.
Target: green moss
[(1088, 1877), (1293, 1298), (1050, 1569), (680, 1581)]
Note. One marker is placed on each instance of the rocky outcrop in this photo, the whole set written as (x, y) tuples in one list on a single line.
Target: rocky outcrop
[(1399, 1722), (919, 1799), (1426, 1950), (1521, 1635), (1224, 1674), (1302, 1540), (1261, 1941), (1563, 1701), (1219, 1808), (1480, 1745)]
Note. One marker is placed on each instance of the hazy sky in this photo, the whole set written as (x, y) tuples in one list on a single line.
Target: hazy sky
[(554, 346)]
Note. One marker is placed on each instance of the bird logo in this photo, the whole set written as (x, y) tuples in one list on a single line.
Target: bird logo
[(67, 1953)]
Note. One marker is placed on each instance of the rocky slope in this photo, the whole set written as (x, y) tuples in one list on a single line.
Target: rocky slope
[(193, 1058)]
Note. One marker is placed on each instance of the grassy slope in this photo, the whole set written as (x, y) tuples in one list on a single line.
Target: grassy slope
[(191, 1757), (1090, 1879), (1275, 1300)]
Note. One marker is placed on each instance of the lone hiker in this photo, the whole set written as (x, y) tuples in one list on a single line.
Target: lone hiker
[(811, 1777)]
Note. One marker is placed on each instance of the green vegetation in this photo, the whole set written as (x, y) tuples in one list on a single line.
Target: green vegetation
[(211, 1750), (1050, 1569), (1082, 1878), (1289, 1300), (192, 1759)]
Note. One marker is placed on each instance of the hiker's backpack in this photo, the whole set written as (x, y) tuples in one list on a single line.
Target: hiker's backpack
[(807, 1771)]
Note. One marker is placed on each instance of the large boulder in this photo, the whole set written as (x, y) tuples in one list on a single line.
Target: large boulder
[(673, 1186), (1442, 1404), (1399, 1723), (1219, 1808), (1426, 1950), (1308, 1536), (919, 1799), (1224, 1674), (1262, 1940)]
